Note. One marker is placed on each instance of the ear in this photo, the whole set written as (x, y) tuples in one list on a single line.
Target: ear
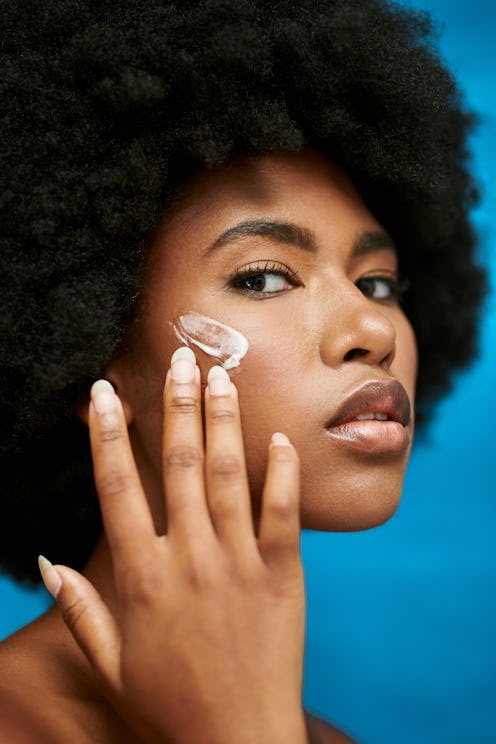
[(115, 375)]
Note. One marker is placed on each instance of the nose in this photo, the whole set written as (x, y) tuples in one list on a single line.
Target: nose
[(357, 329)]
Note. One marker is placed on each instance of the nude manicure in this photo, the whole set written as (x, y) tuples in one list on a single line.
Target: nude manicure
[(50, 577), (183, 366), (219, 382), (103, 397), (183, 352)]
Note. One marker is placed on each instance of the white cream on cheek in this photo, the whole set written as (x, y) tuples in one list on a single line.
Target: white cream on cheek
[(219, 341)]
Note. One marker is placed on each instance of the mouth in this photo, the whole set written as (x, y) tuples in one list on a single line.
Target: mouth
[(375, 418)]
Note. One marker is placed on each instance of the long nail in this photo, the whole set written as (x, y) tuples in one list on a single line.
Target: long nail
[(183, 364), (219, 382), (279, 440), (50, 577), (103, 396)]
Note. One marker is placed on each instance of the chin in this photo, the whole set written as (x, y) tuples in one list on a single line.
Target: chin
[(359, 504)]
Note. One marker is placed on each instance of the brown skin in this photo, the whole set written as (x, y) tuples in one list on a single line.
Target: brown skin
[(294, 376), (312, 343)]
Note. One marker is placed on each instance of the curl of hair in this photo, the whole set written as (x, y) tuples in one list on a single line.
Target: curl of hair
[(107, 106)]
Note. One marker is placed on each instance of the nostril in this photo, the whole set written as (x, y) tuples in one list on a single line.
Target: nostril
[(354, 354)]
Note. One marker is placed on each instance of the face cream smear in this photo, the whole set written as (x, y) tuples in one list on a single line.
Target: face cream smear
[(214, 338)]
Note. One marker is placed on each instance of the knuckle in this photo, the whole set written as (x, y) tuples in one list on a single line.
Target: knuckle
[(283, 508), (73, 613), (111, 433), (198, 576), (182, 457), (141, 587), (184, 405), (222, 416), (114, 483), (225, 467)]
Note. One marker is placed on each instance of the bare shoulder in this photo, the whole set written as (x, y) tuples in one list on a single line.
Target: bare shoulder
[(21, 703), (321, 732), (44, 696), (30, 708)]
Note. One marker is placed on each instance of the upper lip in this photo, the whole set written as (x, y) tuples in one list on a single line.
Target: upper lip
[(387, 397)]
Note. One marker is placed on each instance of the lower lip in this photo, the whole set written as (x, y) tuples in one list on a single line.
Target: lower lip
[(373, 437)]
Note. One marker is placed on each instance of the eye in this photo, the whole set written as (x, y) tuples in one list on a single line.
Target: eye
[(383, 287), (266, 278), (266, 282)]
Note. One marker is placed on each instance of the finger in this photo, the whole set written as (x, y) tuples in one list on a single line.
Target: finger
[(125, 511), (87, 618), (183, 447), (279, 534), (227, 483)]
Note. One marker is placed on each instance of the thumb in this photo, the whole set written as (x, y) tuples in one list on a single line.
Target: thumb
[(88, 619)]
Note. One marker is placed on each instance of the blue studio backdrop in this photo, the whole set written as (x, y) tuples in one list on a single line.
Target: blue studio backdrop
[(401, 639)]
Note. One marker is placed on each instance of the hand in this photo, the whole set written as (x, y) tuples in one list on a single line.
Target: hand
[(207, 643)]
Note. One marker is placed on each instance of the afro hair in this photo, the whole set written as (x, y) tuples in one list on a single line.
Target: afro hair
[(106, 107)]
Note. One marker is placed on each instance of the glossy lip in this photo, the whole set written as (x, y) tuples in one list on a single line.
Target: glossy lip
[(391, 436)]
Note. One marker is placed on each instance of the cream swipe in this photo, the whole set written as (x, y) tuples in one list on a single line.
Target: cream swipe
[(214, 338)]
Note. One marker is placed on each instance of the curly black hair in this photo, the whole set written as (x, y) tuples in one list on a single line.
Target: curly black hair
[(107, 106)]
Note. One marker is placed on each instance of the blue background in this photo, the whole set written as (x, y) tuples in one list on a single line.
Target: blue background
[(401, 642)]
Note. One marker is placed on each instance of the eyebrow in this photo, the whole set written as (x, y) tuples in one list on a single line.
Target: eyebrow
[(372, 242), (301, 237), (281, 232)]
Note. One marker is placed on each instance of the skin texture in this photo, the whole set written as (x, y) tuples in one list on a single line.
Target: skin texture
[(309, 346), (312, 343)]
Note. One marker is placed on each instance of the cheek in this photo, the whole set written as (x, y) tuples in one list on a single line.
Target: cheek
[(269, 385), (225, 345), (272, 368)]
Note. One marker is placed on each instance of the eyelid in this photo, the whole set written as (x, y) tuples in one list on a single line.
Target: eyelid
[(265, 266), (393, 273)]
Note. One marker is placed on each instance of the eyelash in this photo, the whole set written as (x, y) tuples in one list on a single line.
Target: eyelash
[(239, 276), (397, 285)]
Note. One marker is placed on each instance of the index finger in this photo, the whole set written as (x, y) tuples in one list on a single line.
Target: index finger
[(125, 511)]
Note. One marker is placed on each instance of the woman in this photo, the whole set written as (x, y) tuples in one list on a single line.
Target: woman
[(243, 177)]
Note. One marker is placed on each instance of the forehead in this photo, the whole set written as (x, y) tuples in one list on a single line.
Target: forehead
[(305, 190), (290, 181)]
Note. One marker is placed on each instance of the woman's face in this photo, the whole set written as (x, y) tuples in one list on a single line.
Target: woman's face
[(283, 250)]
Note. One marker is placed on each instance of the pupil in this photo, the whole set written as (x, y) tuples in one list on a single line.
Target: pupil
[(367, 287), (256, 283)]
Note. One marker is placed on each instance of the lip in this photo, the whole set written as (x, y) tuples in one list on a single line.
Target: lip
[(387, 398)]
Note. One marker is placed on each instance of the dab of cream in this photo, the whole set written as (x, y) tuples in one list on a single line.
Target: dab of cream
[(216, 339)]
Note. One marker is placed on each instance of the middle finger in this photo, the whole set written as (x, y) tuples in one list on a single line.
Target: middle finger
[(183, 446)]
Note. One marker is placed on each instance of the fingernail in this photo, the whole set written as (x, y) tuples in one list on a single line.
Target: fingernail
[(184, 352), (183, 363), (50, 577), (103, 396), (279, 440), (218, 381)]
